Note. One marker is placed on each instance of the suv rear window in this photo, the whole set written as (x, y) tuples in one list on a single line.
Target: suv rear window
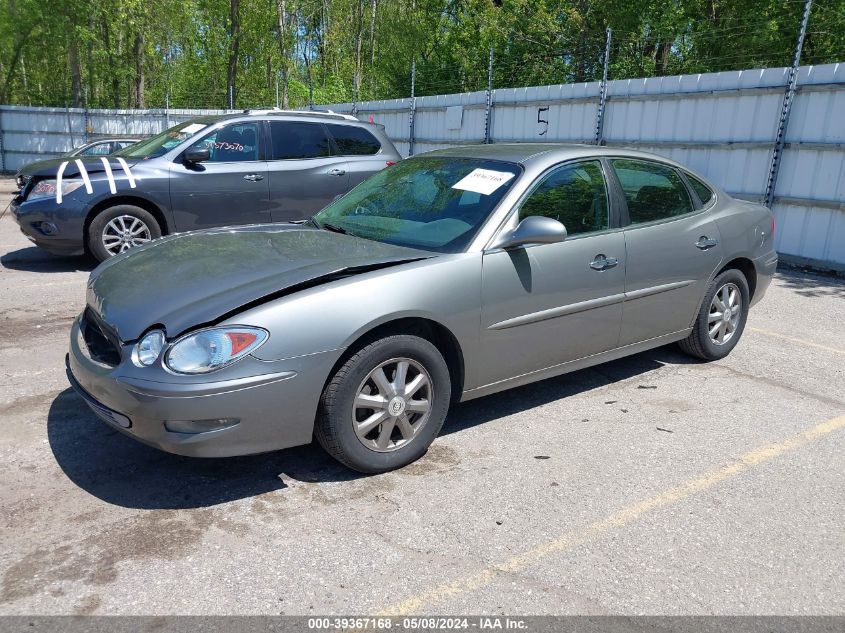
[(298, 139), (353, 141)]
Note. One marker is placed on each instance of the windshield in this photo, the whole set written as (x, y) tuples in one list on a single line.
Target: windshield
[(435, 203), (164, 142)]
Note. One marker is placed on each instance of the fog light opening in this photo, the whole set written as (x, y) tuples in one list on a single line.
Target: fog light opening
[(47, 228), (200, 426)]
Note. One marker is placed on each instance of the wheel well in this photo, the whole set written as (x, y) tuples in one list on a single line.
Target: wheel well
[(437, 334), (146, 205), (746, 267)]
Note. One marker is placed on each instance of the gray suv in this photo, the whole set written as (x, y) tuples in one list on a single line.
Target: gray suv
[(249, 168)]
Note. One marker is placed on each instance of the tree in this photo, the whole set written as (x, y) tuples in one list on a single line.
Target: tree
[(195, 53), (234, 45)]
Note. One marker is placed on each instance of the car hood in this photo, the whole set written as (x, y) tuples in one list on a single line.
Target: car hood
[(192, 279), (49, 167)]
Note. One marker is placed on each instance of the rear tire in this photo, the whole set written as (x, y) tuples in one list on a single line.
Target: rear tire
[(385, 405), (721, 318), (119, 228)]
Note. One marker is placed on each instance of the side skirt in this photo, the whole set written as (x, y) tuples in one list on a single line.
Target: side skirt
[(574, 365)]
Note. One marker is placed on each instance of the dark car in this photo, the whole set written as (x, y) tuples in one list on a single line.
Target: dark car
[(248, 168), (102, 147)]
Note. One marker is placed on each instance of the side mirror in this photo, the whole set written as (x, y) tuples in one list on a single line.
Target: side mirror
[(534, 229), (196, 154)]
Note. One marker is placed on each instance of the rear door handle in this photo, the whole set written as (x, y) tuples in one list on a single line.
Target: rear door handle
[(253, 177), (705, 242), (601, 262), (337, 172)]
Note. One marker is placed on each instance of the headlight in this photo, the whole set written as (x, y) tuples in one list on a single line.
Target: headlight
[(47, 188), (148, 348), (208, 350)]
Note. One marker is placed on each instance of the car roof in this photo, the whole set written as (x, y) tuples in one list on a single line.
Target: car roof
[(523, 153), (110, 139), (314, 115)]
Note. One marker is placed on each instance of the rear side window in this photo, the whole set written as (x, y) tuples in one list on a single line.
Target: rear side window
[(298, 139), (353, 141), (704, 193), (652, 191)]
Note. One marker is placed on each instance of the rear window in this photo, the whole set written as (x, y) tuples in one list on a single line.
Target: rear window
[(298, 139), (704, 193), (353, 141)]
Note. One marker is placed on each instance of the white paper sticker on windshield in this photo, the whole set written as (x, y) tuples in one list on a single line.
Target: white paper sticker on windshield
[(193, 128), (483, 181)]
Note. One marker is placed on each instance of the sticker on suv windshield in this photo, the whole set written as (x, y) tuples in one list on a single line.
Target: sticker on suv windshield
[(483, 181), (192, 128)]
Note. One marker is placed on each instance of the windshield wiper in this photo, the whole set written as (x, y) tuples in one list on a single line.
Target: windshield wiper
[(335, 228)]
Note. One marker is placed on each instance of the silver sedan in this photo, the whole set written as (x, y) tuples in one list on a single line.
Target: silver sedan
[(449, 276)]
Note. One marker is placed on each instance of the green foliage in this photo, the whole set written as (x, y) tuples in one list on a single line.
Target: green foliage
[(134, 53)]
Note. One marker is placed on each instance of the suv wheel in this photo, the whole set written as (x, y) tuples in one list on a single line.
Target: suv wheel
[(119, 228)]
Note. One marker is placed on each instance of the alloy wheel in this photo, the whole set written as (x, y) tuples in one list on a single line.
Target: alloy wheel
[(124, 232), (724, 315), (392, 404)]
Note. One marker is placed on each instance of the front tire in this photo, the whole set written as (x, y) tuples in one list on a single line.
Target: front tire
[(119, 228), (385, 405), (721, 318)]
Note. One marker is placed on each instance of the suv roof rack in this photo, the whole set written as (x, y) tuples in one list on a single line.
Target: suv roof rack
[(320, 113)]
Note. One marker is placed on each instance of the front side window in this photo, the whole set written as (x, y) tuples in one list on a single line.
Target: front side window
[(298, 139), (231, 144), (436, 204), (353, 141), (653, 191), (575, 195), (704, 193)]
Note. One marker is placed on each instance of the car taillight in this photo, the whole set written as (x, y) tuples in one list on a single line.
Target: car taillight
[(773, 225), (391, 163)]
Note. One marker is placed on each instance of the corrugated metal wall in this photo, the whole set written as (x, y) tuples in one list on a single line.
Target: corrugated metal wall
[(721, 124), (28, 134)]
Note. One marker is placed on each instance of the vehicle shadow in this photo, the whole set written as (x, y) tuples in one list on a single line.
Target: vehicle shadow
[(513, 401), (33, 259), (123, 472)]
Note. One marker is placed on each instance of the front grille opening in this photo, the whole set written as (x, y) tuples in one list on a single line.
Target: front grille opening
[(102, 347)]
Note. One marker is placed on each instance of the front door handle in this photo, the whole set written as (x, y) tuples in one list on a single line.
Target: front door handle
[(705, 242), (337, 172), (602, 262), (253, 177)]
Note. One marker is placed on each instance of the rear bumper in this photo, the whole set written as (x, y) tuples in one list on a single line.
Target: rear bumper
[(275, 409), (765, 265)]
